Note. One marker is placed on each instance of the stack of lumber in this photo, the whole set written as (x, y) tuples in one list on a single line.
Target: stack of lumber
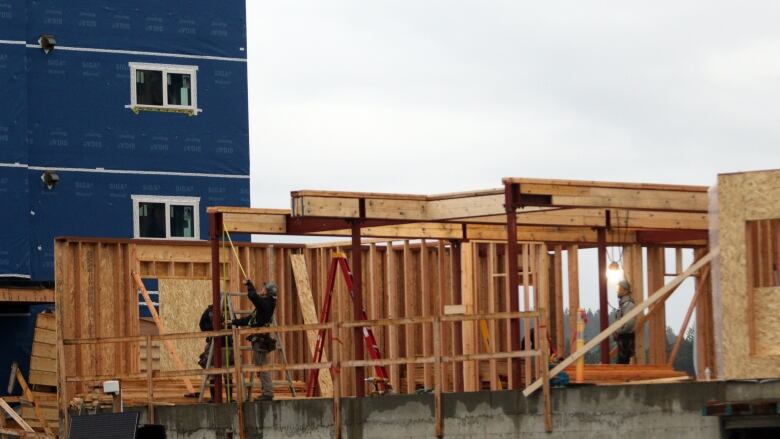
[(168, 392), (43, 362), (621, 373), (43, 375), (47, 404)]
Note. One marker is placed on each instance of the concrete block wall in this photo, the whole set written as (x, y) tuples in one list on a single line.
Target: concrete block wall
[(620, 412)]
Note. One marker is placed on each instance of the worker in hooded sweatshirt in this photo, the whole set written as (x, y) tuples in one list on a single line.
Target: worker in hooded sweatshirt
[(262, 344), (624, 336)]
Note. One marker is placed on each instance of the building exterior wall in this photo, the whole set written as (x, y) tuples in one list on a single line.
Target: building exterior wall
[(65, 111)]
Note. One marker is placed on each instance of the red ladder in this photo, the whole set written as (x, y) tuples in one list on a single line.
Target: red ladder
[(340, 260)]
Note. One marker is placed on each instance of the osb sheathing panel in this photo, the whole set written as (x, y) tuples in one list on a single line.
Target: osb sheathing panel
[(181, 303), (92, 285), (744, 197)]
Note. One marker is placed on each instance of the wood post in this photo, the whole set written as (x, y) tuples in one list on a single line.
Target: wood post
[(239, 383), (656, 268), (149, 382), (470, 368), (357, 306), (574, 293), (705, 340), (437, 397), (335, 371)]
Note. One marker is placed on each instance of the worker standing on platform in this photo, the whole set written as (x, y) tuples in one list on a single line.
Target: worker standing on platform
[(262, 344), (624, 336)]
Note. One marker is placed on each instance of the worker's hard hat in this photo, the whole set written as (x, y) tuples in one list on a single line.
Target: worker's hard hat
[(271, 288)]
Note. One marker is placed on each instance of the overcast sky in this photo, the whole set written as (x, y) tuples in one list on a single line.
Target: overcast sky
[(441, 96)]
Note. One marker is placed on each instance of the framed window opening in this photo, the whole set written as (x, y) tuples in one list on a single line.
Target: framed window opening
[(166, 217), (163, 87)]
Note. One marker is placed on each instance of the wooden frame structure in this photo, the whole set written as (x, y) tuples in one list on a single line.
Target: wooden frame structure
[(413, 258)]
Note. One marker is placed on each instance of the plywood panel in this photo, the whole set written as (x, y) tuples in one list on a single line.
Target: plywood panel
[(182, 301), (748, 332)]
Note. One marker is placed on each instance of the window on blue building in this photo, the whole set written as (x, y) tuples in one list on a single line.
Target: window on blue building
[(161, 217), (163, 87)]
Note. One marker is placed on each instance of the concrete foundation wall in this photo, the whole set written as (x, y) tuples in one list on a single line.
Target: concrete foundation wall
[(649, 411)]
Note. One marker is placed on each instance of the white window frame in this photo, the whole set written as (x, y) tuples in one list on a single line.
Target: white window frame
[(165, 69), (168, 201)]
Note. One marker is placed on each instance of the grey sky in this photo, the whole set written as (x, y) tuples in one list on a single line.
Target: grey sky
[(442, 96)]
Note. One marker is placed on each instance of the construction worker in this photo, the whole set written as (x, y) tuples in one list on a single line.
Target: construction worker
[(624, 336), (262, 344), (206, 325)]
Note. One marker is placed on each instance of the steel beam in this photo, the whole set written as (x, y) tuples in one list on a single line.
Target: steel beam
[(215, 230), (511, 192), (603, 304)]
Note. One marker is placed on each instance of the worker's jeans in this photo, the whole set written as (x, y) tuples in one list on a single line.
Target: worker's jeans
[(625, 343), (260, 358)]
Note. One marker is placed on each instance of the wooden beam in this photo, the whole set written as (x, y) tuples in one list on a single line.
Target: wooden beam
[(470, 368), (27, 295), (572, 253), (603, 335), (15, 416)]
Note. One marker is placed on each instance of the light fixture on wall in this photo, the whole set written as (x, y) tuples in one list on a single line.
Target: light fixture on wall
[(50, 179), (47, 42)]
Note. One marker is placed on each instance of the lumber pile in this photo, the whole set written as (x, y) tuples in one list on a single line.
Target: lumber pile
[(43, 376), (166, 392), (621, 373)]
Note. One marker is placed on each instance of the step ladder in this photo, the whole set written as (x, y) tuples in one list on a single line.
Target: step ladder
[(227, 305), (381, 382)]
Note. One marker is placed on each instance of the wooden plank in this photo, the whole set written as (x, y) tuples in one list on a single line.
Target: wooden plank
[(526, 307), (26, 295), (620, 322), (572, 253), (43, 364), (392, 312), (492, 296), (558, 304), (43, 378), (45, 336), (607, 184), (15, 416), (470, 369), (409, 311), (37, 411), (425, 296), (657, 320), (40, 350), (309, 313)]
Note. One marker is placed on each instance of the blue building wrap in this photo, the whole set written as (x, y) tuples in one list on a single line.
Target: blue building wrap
[(68, 112)]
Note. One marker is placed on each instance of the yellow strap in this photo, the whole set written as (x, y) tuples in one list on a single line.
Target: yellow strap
[(235, 253)]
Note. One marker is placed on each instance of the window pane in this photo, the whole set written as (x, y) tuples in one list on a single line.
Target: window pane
[(148, 87), (151, 220), (182, 222), (179, 89)]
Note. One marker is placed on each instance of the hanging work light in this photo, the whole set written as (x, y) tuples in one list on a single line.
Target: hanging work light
[(614, 272)]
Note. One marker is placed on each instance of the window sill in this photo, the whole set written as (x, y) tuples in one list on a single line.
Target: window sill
[(188, 111)]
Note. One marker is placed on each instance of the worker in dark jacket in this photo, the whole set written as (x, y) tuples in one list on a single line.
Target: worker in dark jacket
[(262, 344), (624, 336)]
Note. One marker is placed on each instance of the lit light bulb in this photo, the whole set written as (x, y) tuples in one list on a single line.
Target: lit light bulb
[(614, 272)]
